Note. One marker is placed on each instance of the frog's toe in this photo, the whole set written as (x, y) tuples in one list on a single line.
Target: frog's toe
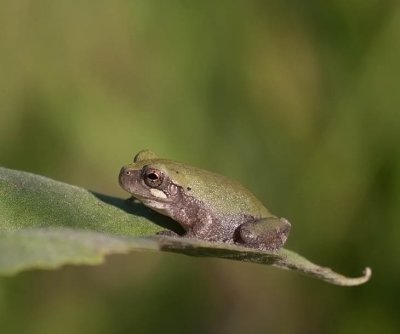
[(265, 234), (167, 233)]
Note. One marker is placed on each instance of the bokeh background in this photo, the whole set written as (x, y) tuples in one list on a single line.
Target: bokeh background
[(299, 100)]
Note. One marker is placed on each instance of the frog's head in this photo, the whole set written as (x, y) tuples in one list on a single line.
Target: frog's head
[(147, 179)]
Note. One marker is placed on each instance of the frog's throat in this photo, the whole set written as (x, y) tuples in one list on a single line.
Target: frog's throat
[(159, 206)]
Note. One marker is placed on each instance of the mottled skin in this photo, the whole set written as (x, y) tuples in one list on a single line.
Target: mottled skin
[(207, 205)]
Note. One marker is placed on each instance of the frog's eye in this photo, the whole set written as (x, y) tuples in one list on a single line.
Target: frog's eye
[(153, 177)]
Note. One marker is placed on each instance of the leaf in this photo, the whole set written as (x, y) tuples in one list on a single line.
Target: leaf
[(48, 248), (284, 259), (45, 224)]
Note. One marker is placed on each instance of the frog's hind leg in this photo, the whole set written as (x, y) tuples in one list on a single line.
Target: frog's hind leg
[(265, 234)]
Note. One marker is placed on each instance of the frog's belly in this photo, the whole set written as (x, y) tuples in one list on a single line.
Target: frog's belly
[(214, 229)]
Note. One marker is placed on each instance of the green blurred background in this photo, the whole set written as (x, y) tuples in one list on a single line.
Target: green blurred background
[(299, 100)]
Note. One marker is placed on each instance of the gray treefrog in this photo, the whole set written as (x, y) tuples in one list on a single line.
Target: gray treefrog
[(208, 206)]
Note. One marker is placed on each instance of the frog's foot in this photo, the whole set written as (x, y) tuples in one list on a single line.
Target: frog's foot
[(167, 233), (265, 234)]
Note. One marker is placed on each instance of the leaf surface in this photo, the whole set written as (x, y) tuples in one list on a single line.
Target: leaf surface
[(45, 224)]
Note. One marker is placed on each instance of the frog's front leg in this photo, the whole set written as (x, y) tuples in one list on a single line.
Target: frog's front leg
[(168, 233), (266, 234)]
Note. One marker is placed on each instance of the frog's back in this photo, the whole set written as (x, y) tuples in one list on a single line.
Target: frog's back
[(222, 193)]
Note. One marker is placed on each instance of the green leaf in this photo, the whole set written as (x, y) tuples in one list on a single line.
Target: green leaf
[(45, 224), (49, 248)]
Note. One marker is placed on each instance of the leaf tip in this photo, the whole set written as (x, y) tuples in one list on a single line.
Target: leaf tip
[(366, 275)]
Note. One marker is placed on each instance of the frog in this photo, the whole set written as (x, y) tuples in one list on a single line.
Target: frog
[(208, 206)]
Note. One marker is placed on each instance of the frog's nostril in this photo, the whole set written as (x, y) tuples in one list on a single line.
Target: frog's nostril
[(125, 171)]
